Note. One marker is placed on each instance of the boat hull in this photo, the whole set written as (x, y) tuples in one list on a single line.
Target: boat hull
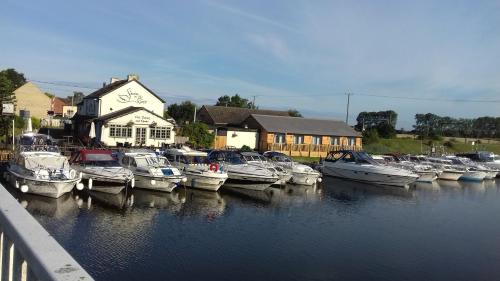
[(250, 182), (473, 176), (299, 178), (165, 184), (111, 187), (53, 189), (205, 182), (369, 177), (450, 175), (427, 176)]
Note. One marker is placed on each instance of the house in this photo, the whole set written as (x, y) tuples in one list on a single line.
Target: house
[(124, 112), (298, 136), (30, 98), (226, 124), (58, 106), (69, 111)]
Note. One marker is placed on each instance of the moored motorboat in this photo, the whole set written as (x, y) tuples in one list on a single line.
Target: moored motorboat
[(198, 172), (240, 173), (39, 168), (101, 170), (301, 174), (255, 158), (359, 166), (150, 170)]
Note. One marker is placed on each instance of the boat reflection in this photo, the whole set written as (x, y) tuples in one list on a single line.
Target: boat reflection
[(140, 198), (114, 201), (349, 191), (58, 208), (200, 202)]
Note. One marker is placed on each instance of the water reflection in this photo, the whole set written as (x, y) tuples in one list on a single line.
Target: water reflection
[(114, 201), (205, 203), (350, 191), (59, 208)]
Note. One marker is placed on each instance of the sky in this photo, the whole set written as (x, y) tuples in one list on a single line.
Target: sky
[(424, 56)]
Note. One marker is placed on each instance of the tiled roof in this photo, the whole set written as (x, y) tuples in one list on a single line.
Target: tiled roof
[(222, 115), (305, 126)]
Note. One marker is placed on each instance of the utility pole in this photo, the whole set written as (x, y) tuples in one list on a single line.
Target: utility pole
[(253, 103), (194, 117), (347, 114)]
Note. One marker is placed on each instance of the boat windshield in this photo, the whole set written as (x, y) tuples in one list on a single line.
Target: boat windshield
[(156, 161), (187, 159), (359, 157)]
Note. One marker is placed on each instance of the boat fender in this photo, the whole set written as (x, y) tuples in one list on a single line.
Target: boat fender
[(320, 179), (153, 182), (132, 182), (90, 183), (24, 188), (17, 184), (79, 186), (214, 167), (72, 174)]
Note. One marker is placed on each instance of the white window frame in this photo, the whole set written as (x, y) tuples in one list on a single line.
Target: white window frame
[(160, 133), (120, 131), (317, 140), (279, 138), (335, 140), (298, 139)]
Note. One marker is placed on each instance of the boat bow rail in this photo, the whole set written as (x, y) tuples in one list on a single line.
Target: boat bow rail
[(28, 251)]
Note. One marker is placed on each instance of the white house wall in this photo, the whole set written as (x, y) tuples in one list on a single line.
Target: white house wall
[(130, 94), (140, 119), (240, 138)]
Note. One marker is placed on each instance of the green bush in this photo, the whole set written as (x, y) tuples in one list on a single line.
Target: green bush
[(370, 136), (246, 148)]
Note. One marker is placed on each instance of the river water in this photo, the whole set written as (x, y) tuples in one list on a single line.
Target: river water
[(340, 230)]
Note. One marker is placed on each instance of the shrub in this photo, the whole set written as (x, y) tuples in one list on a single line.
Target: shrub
[(370, 136), (245, 148)]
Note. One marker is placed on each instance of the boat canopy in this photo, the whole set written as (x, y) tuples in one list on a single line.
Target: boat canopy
[(49, 161), (359, 157)]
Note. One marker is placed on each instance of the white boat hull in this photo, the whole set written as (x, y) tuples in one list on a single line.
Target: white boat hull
[(204, 181), (53, 189), (427, 176), (370, 177), (165, 184), (304, 178), (450, 175)]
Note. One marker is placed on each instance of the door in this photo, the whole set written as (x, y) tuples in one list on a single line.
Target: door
[(140, 136)]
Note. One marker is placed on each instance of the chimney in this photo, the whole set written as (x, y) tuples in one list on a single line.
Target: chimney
[(133, 77), (113, 80)]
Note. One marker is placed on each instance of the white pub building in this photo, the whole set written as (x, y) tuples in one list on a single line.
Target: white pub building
[(124, 113)]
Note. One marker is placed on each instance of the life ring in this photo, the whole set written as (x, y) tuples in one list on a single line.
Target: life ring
[(72, 174), (214, 167)]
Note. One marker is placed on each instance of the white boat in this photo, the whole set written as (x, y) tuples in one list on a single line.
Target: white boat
[(39, 168), (447, 170), (240, 173), (151, 171), (193, 164), (255, 158), (301, 174), (101, 170), (485, 159), (425, 172), (359, 166), (475, 171)]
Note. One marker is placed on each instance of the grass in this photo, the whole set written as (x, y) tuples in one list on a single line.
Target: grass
[(411, 146), (306, 160)]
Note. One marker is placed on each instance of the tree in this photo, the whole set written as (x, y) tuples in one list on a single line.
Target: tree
[(368, 120), (294, 113), (370, 136), (6, 96), (234, 101), (181, 112), (198, 134), (386, 130), (74, 99), (16, 78)]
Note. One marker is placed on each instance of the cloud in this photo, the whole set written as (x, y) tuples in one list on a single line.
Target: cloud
[(270, 43)]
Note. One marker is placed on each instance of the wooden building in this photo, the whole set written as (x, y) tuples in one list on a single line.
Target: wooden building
[(226, 124), (302, 136)]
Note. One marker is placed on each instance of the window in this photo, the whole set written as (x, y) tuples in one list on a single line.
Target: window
[(352, 141), (279, 138), (334, 140), (316, 140), (120, 131), (298, 139), (161, 133)]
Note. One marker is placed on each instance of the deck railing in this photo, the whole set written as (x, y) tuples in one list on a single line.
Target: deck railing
[(309, 150), (27, 251)]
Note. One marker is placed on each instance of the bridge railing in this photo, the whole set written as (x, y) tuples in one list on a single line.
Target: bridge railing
[(28, 251)]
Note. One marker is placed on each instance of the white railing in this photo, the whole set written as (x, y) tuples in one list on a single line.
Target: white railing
[(28, 251)]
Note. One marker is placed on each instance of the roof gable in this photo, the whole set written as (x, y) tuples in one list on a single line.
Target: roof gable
[(126, 111), (305, 126), (29, 88), (116, 85)]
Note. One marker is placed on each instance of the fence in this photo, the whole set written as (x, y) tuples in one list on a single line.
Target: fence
[(309, 150), (27, 251)]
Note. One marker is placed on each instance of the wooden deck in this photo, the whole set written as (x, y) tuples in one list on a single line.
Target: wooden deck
[(309, 150)]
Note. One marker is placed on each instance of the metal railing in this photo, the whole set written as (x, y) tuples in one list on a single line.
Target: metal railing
[(28, 251)]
